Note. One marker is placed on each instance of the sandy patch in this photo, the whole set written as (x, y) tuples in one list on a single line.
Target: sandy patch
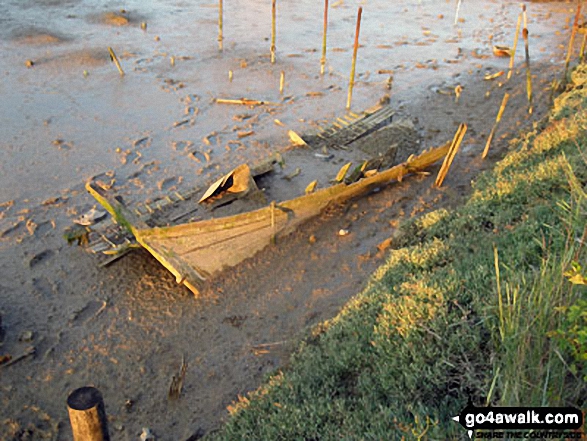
[(118, 18), (38, 37)]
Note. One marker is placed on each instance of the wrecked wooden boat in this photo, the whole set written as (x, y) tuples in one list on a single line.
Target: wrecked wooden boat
[(249, 210)]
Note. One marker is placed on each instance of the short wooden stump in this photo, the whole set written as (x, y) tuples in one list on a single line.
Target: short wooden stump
[(87, 415)]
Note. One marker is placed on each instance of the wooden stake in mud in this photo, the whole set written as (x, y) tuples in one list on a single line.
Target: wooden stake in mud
[(273, 27), (504, 102), (513, 52), (457, 13), (528, 72), (115, 59), (450, 156), (353, 66), (323, 59), (281, 81), (571, 41), (87, 415), (220, 36)]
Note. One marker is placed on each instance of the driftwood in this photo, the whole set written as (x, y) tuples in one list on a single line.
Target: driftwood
[(115, 60), (497, 120), (242, 101), (450, 156)]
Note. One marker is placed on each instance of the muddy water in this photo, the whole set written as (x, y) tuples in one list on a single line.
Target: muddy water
[(71, 115)]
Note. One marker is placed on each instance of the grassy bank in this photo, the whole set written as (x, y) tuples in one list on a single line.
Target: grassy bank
[(487, 301)]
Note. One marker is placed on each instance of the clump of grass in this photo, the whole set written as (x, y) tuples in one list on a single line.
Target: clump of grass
[(483, 302)]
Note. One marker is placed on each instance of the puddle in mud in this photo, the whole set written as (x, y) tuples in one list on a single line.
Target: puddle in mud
[(71, 115)]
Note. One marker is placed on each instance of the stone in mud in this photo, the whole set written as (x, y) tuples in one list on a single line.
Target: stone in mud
[(26, 336), (147, 435)]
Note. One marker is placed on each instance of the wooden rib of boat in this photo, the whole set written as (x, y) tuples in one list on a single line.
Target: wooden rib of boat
[(196, 251)]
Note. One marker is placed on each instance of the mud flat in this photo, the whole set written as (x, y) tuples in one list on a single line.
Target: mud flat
[(125, 328)]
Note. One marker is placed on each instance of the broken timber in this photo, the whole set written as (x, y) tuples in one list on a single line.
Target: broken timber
[(196, 251), (338, 136)]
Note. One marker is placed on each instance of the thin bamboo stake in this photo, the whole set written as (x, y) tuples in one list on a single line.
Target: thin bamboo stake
[(323, 59), (571, 41), (220, 35), (355, 49), (273, 27), (513, 52), (115, 59), (504, 102), (281, 81), (528, 72), (450, 156), (583, 44), (457, 12)]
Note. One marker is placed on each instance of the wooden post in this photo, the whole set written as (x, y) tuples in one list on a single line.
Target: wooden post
[(87, 415), (513, 53), (353, 66), (220, 36), (273, 29), (323, 59)]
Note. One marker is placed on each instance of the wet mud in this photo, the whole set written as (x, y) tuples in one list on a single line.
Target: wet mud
[(71, 115)]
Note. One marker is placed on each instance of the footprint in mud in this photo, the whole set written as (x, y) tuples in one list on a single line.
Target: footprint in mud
[(90, 310), (44, 287), (235, 320), (40, 257)]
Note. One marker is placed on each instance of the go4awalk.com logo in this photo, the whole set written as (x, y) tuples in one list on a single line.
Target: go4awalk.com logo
[(522, 422)]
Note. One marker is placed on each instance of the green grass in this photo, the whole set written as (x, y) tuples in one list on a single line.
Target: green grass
[(482, 302)]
